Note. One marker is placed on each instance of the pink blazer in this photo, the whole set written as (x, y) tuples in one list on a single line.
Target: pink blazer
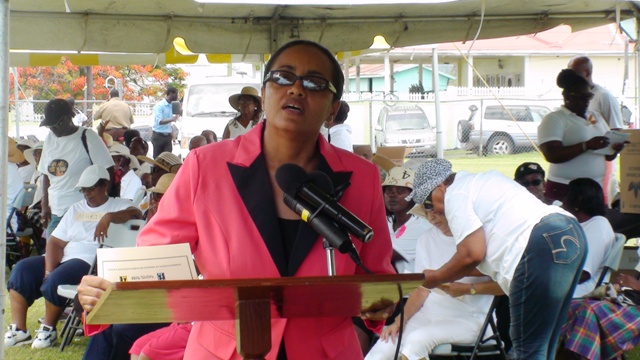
[(222, 205)]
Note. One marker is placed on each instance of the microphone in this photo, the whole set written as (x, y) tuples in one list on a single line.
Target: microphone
[(321, 224), (295, 182)]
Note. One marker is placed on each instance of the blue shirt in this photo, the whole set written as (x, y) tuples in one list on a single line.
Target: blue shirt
[(162, 110)]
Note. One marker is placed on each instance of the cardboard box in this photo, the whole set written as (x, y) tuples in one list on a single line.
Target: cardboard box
[(394, 153), (630, 174)]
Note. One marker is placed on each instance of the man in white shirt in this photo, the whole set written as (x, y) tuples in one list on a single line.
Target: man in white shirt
[(339, 134), (80, 119)]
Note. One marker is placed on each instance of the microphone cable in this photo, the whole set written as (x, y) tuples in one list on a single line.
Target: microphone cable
[(401, 330)]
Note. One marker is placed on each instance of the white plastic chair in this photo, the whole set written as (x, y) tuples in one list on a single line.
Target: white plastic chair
[(120, 235)]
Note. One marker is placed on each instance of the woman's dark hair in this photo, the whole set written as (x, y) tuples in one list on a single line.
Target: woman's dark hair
[(337, 78), (129, 135), (569, 80), (585, 195)]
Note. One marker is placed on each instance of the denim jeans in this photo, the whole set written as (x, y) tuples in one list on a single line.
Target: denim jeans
[(543, 285)]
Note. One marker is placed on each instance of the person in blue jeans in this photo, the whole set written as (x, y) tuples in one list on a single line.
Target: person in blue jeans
[(534, 251)]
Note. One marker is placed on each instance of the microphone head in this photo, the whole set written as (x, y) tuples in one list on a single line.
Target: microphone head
[(322, 182), (290, 177)]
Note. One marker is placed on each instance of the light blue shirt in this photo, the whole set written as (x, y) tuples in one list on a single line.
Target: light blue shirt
[(162, 110)]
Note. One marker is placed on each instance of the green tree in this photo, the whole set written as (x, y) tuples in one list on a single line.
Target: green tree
[(66, 79)]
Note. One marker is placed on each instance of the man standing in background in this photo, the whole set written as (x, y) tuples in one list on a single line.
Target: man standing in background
[(607, 105), (163, 117)]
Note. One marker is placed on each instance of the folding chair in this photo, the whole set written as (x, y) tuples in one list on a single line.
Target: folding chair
[(612, 262), (120, 235), (484, 346), (23, 200)]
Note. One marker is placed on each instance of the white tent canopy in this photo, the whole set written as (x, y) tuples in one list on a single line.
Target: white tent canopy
[(149, 26)]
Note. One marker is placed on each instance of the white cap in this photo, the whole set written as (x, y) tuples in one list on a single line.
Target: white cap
[(91, 175)]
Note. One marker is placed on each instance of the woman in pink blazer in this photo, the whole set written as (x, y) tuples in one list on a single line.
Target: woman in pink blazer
[(226, 204)]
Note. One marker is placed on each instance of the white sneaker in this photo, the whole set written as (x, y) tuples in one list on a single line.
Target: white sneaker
[(46, 336), (15, 337)]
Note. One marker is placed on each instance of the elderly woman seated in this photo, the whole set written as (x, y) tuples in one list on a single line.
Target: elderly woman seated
[(71, 250), (453, 314)]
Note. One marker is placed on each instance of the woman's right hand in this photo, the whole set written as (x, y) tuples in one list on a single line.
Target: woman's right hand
[(597, 142), (45, 215), (90, 291), (391, 332)]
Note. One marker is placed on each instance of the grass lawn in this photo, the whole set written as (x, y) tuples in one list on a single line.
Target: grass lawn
[(24, 352)]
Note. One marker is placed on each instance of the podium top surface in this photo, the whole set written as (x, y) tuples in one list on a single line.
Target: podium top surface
[(290, 297)]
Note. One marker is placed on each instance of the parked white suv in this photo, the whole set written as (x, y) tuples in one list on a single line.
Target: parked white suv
[(406, 126), (496, 130)]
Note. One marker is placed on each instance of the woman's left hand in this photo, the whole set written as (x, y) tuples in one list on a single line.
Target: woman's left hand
[(102, 229)]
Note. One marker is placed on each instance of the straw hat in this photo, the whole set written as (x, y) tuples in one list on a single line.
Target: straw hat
[(166, 160), (163, 183), (246, 91), (28, 154), (15, 155)]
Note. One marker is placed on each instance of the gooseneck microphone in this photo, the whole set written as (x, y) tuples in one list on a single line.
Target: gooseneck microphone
[(314, 189)]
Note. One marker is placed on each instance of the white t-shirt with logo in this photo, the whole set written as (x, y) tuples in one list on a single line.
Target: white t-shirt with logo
[(78, 226), (129, 185), (600, 239), (63, 161)]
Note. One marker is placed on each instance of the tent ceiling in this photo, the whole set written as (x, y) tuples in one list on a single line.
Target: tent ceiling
[(149, 26)]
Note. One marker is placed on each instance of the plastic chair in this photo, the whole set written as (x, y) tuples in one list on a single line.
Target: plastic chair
[(491, 345), (120, 235), (612, 262)]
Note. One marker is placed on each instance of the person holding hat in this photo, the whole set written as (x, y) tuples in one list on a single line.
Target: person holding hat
[(162, 137), (531, 176), (249, 104), (404, 227), (71, 249), (534, 251), (68, 150), (126, 165)]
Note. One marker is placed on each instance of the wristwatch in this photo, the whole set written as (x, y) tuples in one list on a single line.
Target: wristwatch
[(472, 291)]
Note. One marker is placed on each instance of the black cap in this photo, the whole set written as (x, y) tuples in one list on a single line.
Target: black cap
[(54, 110), (528, 168)]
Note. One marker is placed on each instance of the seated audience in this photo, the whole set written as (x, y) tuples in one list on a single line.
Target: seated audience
[(197, 141), (531, 176), (585, 201), (156, 193), (404, 228), (139, 147), (210, 136), (25, 168), (71, 249), (129, 135), (126, 164), (444, 315)]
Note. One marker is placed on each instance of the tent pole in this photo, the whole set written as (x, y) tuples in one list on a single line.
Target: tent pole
[(4, 143), (435, 74)]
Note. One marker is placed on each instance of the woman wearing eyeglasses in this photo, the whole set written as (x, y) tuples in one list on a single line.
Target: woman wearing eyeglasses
[(534, 251), (249, 105), (570, 136), (226, 204)]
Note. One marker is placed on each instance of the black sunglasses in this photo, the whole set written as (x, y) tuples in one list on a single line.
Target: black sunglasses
[(309, 82), (526, 183), (427, 204)]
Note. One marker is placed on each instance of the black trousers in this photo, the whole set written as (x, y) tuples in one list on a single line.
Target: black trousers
[(161, 142)]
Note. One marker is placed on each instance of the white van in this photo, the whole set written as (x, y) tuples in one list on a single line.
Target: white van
[(206, 107)]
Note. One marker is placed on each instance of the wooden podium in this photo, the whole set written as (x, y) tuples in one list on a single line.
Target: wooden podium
[(248, 301)]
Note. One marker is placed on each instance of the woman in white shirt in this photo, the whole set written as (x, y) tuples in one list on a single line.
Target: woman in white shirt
[(404, 228), (585, 201), (71, 249), (570, 137)]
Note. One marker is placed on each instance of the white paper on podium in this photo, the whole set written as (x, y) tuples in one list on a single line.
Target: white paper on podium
[(615, 137), (146, 263)]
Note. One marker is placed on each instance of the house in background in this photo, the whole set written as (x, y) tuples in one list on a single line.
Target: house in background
[(528, 62), (372, 78)]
